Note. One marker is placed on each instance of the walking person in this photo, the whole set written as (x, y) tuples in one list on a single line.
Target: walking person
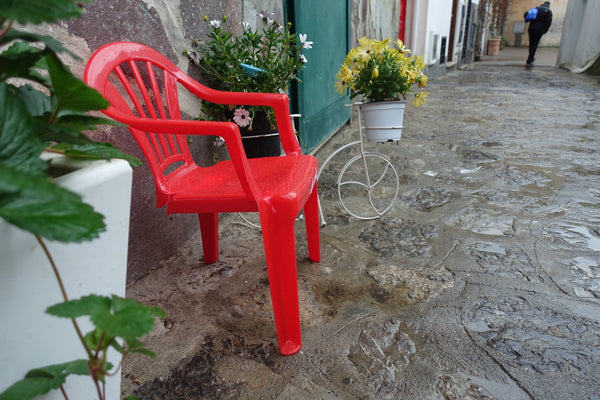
[(537, 28)]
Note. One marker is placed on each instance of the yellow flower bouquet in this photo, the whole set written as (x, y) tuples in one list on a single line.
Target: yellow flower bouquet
[(379, 72)]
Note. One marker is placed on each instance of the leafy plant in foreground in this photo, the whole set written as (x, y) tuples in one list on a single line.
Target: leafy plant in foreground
[(43, 106)]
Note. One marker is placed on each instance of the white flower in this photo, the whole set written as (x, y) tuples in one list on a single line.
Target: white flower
[(246, 25), (215, 23), (219, 141), (241, 117), (306, 44), (303, 59), (265, 15)]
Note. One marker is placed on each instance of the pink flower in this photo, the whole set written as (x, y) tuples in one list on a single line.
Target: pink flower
[(241, 117)]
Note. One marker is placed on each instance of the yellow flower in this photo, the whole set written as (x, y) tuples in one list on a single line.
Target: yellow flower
[(343, 79), (367, 46), (419, 63), (411, 75), (379, 46), (419, 98), (401, 47), (352, 56), (384, 64), (375, 73)]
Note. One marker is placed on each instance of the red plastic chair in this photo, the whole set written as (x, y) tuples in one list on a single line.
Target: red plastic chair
[(142, 87)]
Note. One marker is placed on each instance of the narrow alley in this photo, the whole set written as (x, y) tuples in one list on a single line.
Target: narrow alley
[(481, 282)]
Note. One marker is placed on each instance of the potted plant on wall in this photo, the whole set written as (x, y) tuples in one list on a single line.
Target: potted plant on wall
[(44, 219), (262, 60), (382, 77)]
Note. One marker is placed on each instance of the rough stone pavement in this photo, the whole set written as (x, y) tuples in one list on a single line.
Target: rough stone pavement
[(481, 282)]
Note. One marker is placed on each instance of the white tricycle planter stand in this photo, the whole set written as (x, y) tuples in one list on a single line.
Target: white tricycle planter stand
[(30, 337), (380, 188)]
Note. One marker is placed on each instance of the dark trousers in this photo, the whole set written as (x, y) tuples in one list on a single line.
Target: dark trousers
[(534, 40)]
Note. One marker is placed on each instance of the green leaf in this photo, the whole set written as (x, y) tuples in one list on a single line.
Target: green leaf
[(87, 305), (96, 150), (117, 316), (51, 43), (129, 320), (68, 128), (135, 346), (71, 93), (42, 380), (37, 102), (43, 208), (76, 367), (37, 11), (144, 351), (92, 339), (83, 122), (19, 148), (18, 60)]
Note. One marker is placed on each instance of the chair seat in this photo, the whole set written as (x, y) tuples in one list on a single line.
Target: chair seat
[(216, 188)]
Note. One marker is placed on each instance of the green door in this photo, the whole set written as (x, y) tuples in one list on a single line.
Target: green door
[(327, 25)]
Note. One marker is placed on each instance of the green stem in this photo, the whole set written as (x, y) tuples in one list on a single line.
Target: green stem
[(66, 298)]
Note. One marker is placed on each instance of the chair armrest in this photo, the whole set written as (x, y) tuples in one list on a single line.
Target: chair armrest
[(227, 130), (278, 101)]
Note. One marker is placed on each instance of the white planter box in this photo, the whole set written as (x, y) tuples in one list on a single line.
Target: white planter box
[(30, 337)]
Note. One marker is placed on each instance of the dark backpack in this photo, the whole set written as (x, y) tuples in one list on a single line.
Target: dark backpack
[(531, 14)]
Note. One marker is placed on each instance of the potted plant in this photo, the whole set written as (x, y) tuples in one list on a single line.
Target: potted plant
[(44, 218), (494, 43), (383, 77), (262, 60)]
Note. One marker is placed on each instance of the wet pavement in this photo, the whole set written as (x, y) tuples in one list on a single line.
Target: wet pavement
[(482, 281)]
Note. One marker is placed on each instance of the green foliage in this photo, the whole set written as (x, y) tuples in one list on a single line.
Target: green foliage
[(45, 107), (261, 61), (43, 208), (114, 318), (37, 11), (42, 380)]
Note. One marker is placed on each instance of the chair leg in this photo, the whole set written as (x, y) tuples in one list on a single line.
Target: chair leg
[(311, 219), (209, 230), (280, 253)]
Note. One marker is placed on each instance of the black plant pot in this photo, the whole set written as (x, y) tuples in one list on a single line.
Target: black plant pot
[(261, 140)]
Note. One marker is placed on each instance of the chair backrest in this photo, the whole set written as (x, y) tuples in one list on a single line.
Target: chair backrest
[(139, 81)]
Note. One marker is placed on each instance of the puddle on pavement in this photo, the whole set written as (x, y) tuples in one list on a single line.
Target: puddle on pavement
[(574, 235), (586, 278), (486, 222), (510, 263), (537, 338)]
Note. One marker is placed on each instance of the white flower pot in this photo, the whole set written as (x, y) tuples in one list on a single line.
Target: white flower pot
[(383, 120), (30, 337)]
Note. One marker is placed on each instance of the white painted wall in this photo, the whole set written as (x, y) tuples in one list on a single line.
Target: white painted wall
[(438, 20), (580, 40)]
